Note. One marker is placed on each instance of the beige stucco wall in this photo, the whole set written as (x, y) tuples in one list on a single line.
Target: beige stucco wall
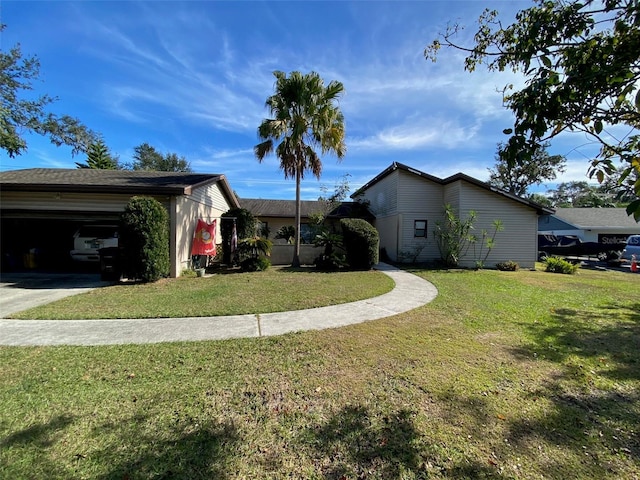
[(283, 254)]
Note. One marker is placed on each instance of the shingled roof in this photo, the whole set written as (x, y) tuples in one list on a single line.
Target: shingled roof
[(109, 181), (541, 209), (585, 218), (280, 208), (287, 208)]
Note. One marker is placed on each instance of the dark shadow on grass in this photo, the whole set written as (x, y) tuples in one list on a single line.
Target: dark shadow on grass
[(606, 344), (354, 445), (39, 435), (586, 423), (187, 451), (610, 333), (27, 454)]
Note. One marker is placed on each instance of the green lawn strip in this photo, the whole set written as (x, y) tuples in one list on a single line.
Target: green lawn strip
[(519, 375), (274, 290)]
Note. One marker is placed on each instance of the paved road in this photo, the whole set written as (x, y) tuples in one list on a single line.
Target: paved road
[(410, 292)]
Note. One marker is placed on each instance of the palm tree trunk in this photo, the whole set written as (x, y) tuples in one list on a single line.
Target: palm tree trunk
[(296, 247)]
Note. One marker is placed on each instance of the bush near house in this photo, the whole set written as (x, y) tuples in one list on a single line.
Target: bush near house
[(144, 238), (361, 242), (560, 265), (508, 266)]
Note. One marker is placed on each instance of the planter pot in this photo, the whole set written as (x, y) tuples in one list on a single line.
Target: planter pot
[(200, 272)]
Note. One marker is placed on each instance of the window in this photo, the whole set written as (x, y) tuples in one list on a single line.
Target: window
[(262, 229), (420, 228), (307, 233)]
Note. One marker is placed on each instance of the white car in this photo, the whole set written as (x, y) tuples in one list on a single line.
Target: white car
[(632, 248), (89, 239)]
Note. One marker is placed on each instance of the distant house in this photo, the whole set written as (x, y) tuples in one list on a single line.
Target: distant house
[(407, 204), (275, 214), (602, 225), (41, 208)]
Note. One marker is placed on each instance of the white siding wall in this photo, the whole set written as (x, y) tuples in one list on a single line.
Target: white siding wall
[(402, 197), (211, 196), (68, 202), (383, 196), (418, 199), (517, 241), (383, 203), (451, 195), (206, 203), (388, 230)]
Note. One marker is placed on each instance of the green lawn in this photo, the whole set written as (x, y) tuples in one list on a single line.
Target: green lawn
[(523, 375), (274, 290)]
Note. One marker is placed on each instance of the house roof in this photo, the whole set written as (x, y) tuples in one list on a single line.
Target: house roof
[(596, 218), (88, 180), (287, 208), (541, 209), (280, 208)]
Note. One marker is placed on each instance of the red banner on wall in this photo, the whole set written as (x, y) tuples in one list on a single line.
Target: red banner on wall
[(204, 239)]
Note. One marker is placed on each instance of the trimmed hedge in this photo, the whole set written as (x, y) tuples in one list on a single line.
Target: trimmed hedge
[(144, 239), (361, 242)]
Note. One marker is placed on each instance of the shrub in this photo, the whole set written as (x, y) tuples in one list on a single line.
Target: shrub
[(560, 265), (188, 273), (508, 266), (330, 263), (361, 242), (145, 239), (255, 264)]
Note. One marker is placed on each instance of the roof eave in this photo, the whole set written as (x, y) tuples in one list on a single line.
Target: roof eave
[(148, 190)]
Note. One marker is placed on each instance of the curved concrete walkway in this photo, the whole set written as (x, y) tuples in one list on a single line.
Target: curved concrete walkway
[(410, 292)]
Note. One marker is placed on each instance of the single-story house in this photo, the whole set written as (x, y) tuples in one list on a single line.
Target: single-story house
[(603, 225), (41, 208), (407, 204), (275, 214)]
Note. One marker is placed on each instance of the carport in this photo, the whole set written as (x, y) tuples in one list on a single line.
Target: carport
[(42, 240)]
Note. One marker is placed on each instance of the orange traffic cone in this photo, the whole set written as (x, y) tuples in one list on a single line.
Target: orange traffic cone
[(634, 264)]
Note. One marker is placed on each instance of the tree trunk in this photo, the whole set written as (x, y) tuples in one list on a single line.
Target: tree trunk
[(296, 248)]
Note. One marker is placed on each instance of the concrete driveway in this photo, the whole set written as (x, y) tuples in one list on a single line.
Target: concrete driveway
[(20, 291)]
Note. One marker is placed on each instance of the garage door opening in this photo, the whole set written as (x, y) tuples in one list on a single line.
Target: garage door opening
[(45, 245)]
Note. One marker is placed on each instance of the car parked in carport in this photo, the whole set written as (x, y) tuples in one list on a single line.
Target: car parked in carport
[(89, 239)]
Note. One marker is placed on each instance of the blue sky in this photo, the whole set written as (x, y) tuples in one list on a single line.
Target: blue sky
[(192, 77)]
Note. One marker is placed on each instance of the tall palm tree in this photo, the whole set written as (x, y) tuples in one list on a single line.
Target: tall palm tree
[(305, 116)]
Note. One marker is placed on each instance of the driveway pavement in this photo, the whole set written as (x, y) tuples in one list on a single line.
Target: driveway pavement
[(20, 291), (410, 292)]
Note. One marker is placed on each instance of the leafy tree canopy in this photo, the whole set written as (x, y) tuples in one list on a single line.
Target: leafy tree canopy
[(21, 113), (99, 157), (580, 194), (582, 63), (517, 177), (147, 157)]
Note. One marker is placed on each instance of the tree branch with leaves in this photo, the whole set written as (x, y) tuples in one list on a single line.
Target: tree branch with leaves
[(20, 114), (582, 63)]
